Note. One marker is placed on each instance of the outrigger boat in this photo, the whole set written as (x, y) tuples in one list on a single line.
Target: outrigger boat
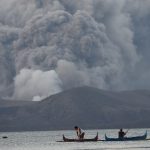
[(80, 140), (135, 138)]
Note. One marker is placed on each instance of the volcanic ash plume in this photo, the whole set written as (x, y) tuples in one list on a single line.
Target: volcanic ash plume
[(36, 84), (52, 45)]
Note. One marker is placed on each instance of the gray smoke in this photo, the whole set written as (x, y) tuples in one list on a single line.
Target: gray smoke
[(36, 84), (47, 46)]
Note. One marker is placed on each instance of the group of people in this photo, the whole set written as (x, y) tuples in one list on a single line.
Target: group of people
[(80, 133)]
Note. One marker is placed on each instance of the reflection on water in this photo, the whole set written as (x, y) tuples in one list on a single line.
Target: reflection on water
[(47, 141)]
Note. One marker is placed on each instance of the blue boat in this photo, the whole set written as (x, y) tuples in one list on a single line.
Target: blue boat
[(135, 138)]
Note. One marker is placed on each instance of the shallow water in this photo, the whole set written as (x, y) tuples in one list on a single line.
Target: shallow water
[(46, 140)]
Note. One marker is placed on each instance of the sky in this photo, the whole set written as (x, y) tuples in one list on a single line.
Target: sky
[(48, 46)]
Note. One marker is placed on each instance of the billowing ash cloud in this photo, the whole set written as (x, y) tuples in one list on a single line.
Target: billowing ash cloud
[(69, 43), (36, 84)]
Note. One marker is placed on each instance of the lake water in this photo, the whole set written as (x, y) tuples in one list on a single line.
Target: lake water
[(46, 140)]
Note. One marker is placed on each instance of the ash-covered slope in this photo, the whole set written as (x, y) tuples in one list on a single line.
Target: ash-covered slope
[(83, 106)]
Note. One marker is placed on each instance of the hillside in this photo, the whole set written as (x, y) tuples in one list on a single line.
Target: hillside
[(84, 106)]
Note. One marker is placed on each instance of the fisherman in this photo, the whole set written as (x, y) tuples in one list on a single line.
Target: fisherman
[(79, 132), (121, 133)]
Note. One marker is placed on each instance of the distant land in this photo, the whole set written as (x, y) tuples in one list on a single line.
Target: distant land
[(87, 107)]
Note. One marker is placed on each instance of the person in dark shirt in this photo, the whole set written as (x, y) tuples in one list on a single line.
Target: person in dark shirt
[(121, 133), (79, 132)]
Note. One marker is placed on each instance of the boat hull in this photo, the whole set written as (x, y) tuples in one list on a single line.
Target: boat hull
[(80, 140), (136, 138)]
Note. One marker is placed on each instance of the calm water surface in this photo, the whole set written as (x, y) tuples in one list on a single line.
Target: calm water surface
[(46, 140)]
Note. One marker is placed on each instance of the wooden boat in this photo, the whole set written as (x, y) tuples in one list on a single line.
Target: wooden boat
[(80, 140), (135, 138)]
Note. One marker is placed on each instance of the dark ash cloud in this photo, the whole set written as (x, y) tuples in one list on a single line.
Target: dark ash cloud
[(72, 43)]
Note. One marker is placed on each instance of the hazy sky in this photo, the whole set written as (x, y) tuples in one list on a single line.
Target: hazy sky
[(47, 46)]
